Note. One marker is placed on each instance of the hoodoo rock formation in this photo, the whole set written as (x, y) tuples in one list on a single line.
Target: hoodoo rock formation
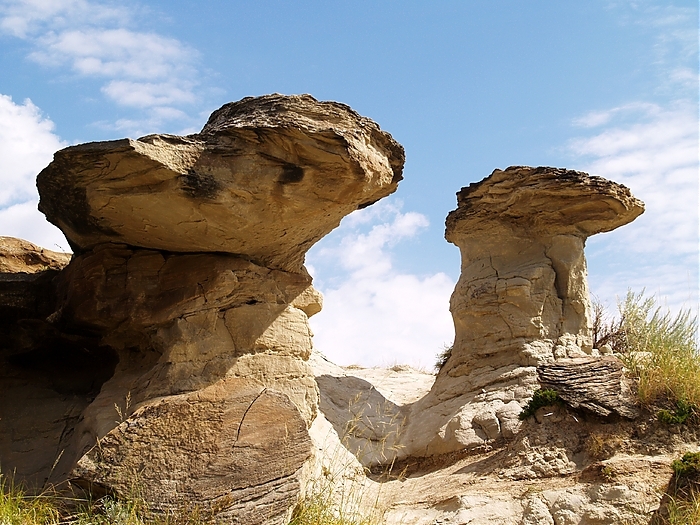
[(521, 300), (171, 353)]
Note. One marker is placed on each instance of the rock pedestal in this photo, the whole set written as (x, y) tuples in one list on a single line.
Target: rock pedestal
[(521, 299), (188, 302)]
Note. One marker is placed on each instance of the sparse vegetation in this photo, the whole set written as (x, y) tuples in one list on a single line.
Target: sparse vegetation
[(443, 356), (682, 506), (682, 412), (661, 352), (688, 467), (321, 509), (684, 511), (53, 508), (603, 445), (540, 398)]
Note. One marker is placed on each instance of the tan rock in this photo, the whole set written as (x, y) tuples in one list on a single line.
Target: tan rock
[(522, 297), (188, 290), (212, 449), (267, 177), (596, 384), (26, 279), (20, 256)]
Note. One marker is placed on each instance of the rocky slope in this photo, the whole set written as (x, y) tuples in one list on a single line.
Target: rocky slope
[(562, 467)]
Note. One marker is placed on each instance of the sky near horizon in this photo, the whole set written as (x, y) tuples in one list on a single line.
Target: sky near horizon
[(606, 87)]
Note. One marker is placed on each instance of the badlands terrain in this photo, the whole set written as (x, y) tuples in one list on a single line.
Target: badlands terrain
[(172, 352)]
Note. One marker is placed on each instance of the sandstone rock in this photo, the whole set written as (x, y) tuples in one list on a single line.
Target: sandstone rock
[(212, 448), (596, 384), (521, 232), (509, 418), (266, 178), (536, 512), (488, 423), (20, 256), (26, 275), (188, 298), (522, 297)]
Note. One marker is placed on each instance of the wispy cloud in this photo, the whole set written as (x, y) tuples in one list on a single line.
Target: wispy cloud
[(27, 144), (138, 69), (654, 151), (675, 50), (374, 314), (26, 18)]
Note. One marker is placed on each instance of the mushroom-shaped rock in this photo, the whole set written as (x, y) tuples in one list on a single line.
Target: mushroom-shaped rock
[(522, 297), (186, 306), (266, 178), (523, 287)]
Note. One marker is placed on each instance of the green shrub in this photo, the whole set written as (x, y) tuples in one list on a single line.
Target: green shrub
[(680, 415), (540, 398), (688, 466)]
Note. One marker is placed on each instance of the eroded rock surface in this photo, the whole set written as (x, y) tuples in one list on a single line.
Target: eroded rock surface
[(188, 299), (596, 384), (266, 178), (570, 466), (521, 300)]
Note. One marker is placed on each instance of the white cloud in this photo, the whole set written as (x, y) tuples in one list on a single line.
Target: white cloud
[(22, 18), (656, 156), (372, 313), (160, 96), (27, 144), (25, 221), (140, 69)]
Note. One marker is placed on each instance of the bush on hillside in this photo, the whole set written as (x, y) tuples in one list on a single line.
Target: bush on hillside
[(540, 398), (661, 352)]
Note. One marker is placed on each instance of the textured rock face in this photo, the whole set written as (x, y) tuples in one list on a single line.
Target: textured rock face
[(266, 178), (188, 301), (233, 448), (521, 300), (596, 384)]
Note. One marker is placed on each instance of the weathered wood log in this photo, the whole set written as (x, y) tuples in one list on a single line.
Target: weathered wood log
[(597, 384)]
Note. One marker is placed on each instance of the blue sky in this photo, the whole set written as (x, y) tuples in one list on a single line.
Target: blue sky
[(608, 87)]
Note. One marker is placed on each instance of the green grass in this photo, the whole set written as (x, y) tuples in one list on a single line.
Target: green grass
[(660, 350), (683, 507), (540, 398), (684, 511), (16, 508), (51, 508), (320, 509)]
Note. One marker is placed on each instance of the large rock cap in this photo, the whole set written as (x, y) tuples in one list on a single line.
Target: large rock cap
[(266, 178), (553, 201)]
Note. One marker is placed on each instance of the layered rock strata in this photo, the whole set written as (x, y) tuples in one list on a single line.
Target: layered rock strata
[(188, 292), (521, 300)]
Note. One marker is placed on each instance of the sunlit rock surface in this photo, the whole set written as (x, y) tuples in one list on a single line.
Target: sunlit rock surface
[(521, 300), (266, 178), (172, 351)]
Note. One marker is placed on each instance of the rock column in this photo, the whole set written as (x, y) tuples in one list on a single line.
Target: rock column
[(521, 300)]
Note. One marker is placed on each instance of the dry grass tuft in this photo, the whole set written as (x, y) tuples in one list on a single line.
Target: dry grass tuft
[(660, 350), (603, 445), (53, 508)]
